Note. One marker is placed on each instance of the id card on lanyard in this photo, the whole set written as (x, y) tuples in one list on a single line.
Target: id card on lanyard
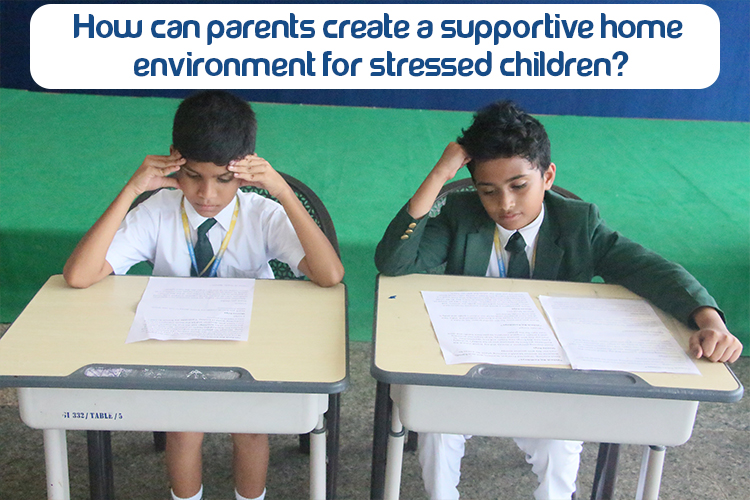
[(213, 264)]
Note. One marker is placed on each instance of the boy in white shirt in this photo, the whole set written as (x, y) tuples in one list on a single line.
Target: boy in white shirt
[(212, 155)]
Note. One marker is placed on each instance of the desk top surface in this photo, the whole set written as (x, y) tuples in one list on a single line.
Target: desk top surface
[(407, 352), (297, 341)]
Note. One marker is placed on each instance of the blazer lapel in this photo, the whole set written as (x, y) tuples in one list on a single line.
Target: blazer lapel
[(548, 253), (479, 247)]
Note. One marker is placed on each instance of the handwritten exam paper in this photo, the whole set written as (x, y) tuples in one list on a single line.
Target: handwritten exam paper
[(492, 327), (615, 334), (189, 309)]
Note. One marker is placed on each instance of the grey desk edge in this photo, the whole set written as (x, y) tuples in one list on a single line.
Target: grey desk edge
[(553, 380)]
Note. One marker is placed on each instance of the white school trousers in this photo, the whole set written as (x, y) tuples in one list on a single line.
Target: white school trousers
[(554, 462)]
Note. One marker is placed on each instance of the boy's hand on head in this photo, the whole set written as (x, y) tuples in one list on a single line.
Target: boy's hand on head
[(713, 341), (88, 262), (252, 170), (454, 157), (154, 171)]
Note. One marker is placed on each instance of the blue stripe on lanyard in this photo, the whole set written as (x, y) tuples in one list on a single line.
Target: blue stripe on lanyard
[(499, 254), (500, 265)]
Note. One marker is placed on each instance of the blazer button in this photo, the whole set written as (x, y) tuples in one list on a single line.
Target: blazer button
[(405, 237), (409, 231), (413, 225)]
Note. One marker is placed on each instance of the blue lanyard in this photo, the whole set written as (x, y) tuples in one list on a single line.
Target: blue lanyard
[(499, 254), (217, 257)]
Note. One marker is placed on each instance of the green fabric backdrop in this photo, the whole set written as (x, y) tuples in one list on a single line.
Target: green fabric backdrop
[(680, 188)]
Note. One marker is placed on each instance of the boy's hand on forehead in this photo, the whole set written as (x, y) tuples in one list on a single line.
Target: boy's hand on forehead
[(153, 173), (454, 157), (252, 170)]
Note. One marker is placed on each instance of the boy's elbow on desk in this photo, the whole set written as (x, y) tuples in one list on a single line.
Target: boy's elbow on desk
[(78, 278), (327, 276), (330, 279), (74, 280)]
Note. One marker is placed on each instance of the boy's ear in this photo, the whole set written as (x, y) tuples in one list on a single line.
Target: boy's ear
[(549, 176)]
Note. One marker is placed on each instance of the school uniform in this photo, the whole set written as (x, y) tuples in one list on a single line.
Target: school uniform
[(154, 232), (568, 242)]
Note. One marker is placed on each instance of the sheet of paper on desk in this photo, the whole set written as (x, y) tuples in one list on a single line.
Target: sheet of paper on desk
[(615, 334), (192, 308), (492, 327)]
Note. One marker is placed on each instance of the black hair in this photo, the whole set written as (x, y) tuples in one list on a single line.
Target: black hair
[(503, 130), (214, 126)]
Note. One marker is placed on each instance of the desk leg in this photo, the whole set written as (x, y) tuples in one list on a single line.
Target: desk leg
[(56, 462), (318, 461), (101, 477), (332, 444), (380, 440), (605, 476), (412, 441), (395, 457), (650, 478)]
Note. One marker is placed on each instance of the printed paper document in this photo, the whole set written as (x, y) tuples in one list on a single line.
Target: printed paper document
[(615, 334), (194, 308), (492, 327)]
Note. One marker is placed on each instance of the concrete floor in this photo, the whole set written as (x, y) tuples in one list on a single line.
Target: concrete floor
[(713, 465)]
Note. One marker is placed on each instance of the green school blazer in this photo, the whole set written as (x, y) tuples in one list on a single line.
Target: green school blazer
[(574, 244)]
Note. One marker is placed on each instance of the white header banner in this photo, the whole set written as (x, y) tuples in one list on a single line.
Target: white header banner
[(441, 46)]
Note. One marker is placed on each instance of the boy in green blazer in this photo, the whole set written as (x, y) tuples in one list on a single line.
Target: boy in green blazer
[(514, 226)]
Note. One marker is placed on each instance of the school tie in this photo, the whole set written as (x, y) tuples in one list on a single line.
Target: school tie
[(518, 264), (203, 250)]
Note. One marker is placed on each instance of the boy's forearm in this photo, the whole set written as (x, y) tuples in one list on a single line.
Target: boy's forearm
[(453, 159), (422, 201), (321, 263), (87, 264)]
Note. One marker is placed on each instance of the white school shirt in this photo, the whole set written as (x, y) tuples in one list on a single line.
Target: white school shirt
[(153, 231), (530, 235)]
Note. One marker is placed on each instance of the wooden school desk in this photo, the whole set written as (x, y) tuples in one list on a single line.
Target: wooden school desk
[(514, 401), (67, 354)]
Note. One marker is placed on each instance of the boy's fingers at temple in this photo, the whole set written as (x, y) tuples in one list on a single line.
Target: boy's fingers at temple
[(259, 171), (168, 169)]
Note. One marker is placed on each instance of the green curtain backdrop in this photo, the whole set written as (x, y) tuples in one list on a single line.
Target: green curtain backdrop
[(680, 188)]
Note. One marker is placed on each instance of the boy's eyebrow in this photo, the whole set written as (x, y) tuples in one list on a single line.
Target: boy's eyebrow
[(223, 174), (514, 178), (519, 176)]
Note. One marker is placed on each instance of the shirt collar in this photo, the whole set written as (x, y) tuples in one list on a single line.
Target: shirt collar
[(223, 218), (529, 232)]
